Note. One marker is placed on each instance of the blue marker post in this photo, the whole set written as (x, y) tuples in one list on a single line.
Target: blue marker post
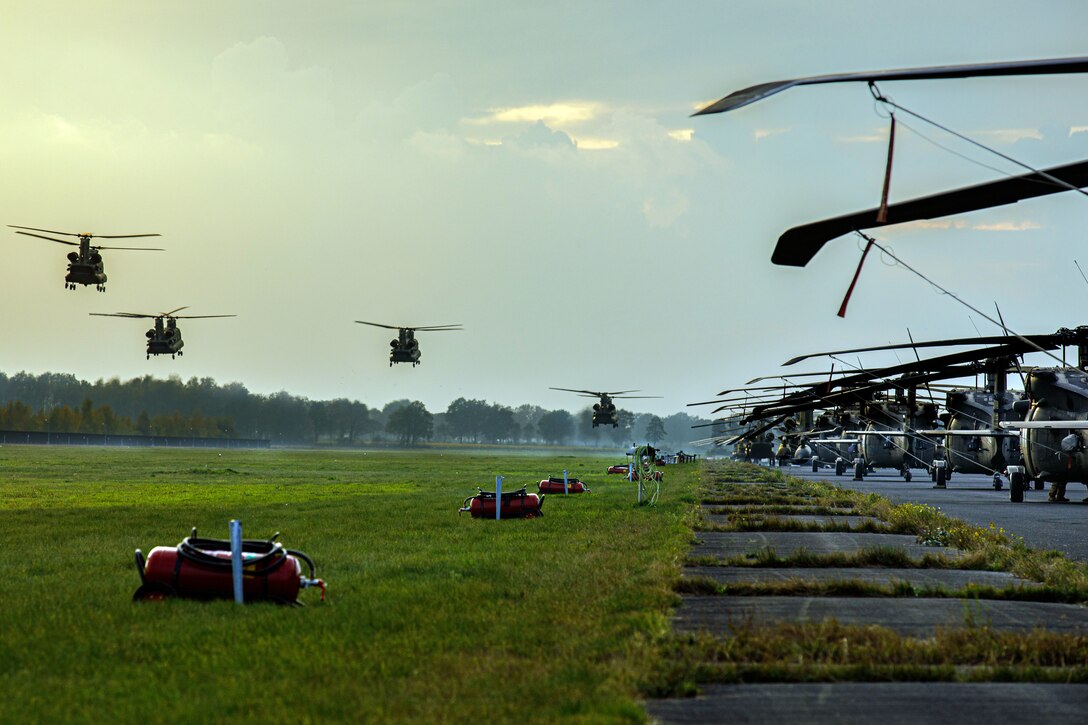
[(498, 497), (236, 558), (565, 485)]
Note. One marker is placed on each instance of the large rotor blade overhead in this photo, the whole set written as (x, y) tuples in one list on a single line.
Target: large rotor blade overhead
[(797, 246), (758, 92), (436, 328), (121, 236), (171, 312), (58, 241)]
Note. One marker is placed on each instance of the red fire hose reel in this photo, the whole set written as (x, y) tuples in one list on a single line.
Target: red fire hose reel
[(556, 485), (199, 568), (515, 505)]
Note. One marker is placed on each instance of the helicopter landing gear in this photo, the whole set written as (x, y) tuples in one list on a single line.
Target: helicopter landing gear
[(998, 485), (840, 466), (906, 474), (859, 470)]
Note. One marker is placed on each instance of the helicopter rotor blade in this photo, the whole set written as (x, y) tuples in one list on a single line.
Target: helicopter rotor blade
[(171, 312), (758, 92), (196, 317), (58, 241), (378, 324), (798, 245), (50, 231), (990, 340), (121, 314), (135, 249), (122, 236)]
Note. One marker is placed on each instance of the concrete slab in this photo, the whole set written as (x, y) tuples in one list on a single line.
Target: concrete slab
[(822, 520), (724, 544), (946, 579), (890, 703), (908, 616)]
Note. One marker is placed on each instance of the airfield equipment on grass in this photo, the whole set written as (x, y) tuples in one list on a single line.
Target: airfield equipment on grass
[(86, 266), (513, 505), (404, 348), (563, 485), (165, 337), (604, 410), (199, 568)]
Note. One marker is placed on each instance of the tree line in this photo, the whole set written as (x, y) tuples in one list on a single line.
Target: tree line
[(201, 407)]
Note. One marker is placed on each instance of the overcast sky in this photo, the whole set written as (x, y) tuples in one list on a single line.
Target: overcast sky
[(529, 170)]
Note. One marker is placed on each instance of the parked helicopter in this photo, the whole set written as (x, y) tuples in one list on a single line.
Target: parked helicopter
[(604, 410), (86, 266), (165, 337), (404, 348)]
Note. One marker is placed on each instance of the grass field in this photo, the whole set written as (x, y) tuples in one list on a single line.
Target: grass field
[(430, 616)]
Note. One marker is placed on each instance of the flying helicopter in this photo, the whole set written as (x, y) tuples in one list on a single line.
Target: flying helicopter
[(165, 337), (86, 267), (404, 348), (604, 410)]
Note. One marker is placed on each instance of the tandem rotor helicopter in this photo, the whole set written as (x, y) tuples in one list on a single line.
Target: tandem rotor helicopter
[(86, 267), (404, 348), (165, 337), (604, 410)]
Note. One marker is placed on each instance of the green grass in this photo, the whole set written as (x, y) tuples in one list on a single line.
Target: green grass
[(430, 616)]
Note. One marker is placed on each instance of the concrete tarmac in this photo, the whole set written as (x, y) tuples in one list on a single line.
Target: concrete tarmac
[(888, 703), (972, 498)]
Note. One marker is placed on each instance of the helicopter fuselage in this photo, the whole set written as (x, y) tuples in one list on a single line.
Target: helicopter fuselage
[(604, 412), (164, 339), (85, 267), (404, 348), (1056, 454), (973, 410)]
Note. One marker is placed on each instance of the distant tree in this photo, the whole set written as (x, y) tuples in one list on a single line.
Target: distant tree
[(467, 419), (556, 426), (526, 417), (143, 423), (655, 430), (411, 423)]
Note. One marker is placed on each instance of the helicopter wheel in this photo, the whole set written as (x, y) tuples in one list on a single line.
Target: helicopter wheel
[(181, 352)]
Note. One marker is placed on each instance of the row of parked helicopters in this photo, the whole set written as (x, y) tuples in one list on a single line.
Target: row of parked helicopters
[(86, 267), (894, 417)]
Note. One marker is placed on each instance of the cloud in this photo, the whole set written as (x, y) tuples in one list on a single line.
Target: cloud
[(595, 144), (932, 224), (761, 133), (1077, 129), (438, 144), (682, 134), (1008, 226), (553, 114), (1011, 135), (663, 212)]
